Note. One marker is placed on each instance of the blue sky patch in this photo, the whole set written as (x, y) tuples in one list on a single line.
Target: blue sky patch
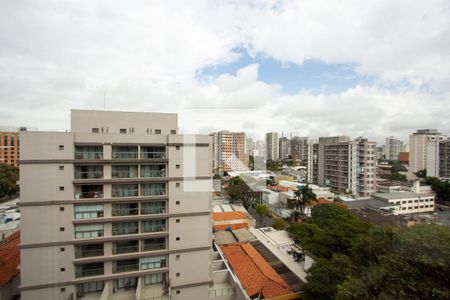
[(315, 76)]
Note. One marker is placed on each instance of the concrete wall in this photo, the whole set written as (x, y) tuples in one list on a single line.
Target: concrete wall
[(196, 292), (191, 231), (192, 266)]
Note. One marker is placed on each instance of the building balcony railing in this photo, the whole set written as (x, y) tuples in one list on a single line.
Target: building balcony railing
[(126, 268), (154, 192), (91, 194), (89, 272), (147, 174), (89, 175), (153, 247), (125, 232), (124, 212), (124, 174), (153, 155), (125, 193), (154, 228), (153, 210), (122, 250), (89, 155), (124, 155), (89, 253)]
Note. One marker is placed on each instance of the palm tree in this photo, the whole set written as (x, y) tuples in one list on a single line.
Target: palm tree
[(304, 195)]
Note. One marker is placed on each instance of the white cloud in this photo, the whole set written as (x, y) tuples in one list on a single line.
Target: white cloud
[(60, 55)]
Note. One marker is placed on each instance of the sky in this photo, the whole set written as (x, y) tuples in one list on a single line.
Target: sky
[(308, 67)]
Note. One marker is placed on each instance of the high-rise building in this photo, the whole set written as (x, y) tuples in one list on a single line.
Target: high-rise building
[(393, 148), (444, 159), (418, 147), (347, 166), (118, 207), (312, 161), (10, 145), (284, 148), (249, 146), (229, 151), (272, 146), (259, 149), (432, 158), (299, 148)]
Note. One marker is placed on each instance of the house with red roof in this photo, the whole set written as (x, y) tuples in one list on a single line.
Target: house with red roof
[(9, 267)]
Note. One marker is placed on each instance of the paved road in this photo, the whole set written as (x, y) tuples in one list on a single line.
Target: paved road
[(444, 216)]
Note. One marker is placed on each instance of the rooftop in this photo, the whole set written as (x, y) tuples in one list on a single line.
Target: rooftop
[(231, 215), (396, 195), (9, 258), (375, 203), (254, 272)]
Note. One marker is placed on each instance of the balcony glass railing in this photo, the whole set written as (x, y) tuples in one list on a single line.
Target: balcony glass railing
[(152, 173), (91, 194), (148, 227), (89, 253), (125, 228), (124, 174), (128, 249), (89, 175), (153, 155), (89, 272), (153, 191), (153, 210), (153, 247), (125, 212), (126, 268), (125, 155), (89, 155)]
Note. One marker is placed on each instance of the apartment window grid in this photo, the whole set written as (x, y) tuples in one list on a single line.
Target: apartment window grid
[(88, 231), (88, 211), (153, 262)]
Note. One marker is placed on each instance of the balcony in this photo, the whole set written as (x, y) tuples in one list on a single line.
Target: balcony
[(125, 209), (153, 226), (125, 247), (88, 231), (153, 208), (89, 191), (153, 189), (89, 172), (153, 244), (124, 172), (153, 171), (124, 152), (90, 250), (88, 152), (86, 270), (153, 153), (125, 228), (125, 190), (126, 266)]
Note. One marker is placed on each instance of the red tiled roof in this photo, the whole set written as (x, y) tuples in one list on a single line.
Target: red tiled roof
[(233, 226), (254, 272), (324, 201), (232, 215), (280, 188), (9, 258)]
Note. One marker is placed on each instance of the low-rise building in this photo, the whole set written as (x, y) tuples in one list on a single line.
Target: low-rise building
[(9, 266)]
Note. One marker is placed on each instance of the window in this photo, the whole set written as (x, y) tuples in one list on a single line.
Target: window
[(177, 147), (177, 220), (177, 184), (62, 269), (177, 257), (61, 208), (178, 291), (153, 225), (123, 130), (90, 211), (95, 130), (173, 131), (88, 231), (153, 278), (61, 188), (125, 190), (177, 202), (153, 189), (61, 147), (61, 168), (61, 229), (157, 207), (178, 274), (177, 238), (124, 209), (177, 166), (62, 249), (157, 131), (125, 228), (153, 262), (63, 290)]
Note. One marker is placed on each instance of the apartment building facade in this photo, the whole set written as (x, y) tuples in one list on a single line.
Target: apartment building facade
[(299, 148), (272, 146), (444, 159), (118, 207), (418, 142), (347, 166), (10, 145), (229, 150), (312, 168), (393, 147), (284, 146)]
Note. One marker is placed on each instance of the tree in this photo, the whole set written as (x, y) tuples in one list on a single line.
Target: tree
[(442, 188), (398, 177), (8, 180), (262, 210), (303, 196), (237, 189), (421, 173), (279, 224)]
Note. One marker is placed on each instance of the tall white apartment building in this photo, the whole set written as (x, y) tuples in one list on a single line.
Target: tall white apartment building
[(347, 166), (312, 165), (272, 145), (284, 148), (118, 208), (393, 148), (418, 147), (229, 151)]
